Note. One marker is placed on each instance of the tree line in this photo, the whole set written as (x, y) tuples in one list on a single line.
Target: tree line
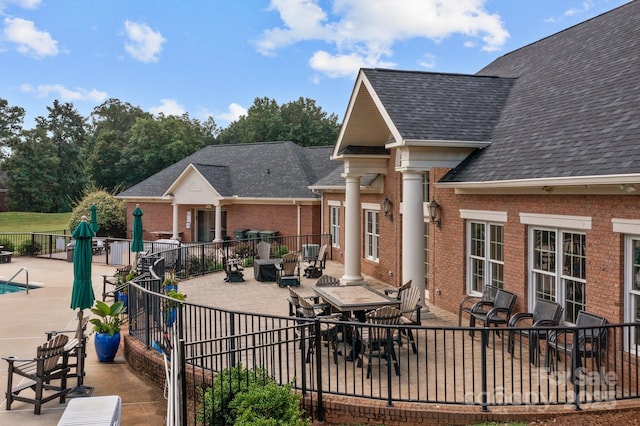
[(119, 145)]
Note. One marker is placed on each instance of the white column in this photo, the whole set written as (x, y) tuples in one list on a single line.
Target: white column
[(175, 231), (218, 236), (352, 235), (413, 231)]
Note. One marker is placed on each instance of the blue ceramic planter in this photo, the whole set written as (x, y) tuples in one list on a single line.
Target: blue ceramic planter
[(170, 317), (124, 298), (106, 346)]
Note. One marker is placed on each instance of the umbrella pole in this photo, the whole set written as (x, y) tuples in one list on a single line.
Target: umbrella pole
[(80, 390)]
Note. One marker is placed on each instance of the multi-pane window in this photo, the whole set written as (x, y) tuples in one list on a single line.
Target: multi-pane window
[(334, 226), (558, 269), (632, 279), (485, 256), (372, 234)]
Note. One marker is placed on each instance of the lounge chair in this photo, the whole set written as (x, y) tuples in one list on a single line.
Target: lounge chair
[(264, 250), (410, 309), (378, 341), (397, 291), (288, 271), (315, 266), (309, 310), (50, 363), (116, 281)]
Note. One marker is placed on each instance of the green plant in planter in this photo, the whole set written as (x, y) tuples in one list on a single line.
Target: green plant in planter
[(170, 280), (131, 275), (170, 305), (109, 321)]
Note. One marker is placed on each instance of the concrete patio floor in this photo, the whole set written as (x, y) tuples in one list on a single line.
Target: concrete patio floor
[(27, 317)]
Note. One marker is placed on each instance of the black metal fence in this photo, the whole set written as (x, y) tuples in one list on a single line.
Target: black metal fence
[(448, 366)]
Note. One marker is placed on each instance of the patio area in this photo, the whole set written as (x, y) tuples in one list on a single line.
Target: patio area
[(27, 317)]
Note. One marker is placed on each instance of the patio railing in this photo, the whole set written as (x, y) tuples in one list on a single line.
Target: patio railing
[(449, 366)]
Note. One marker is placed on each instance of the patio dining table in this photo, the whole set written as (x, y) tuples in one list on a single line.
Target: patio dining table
[(354, 299)]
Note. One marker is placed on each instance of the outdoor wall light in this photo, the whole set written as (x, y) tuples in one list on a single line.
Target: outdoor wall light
[(434, 213), (386, 207)]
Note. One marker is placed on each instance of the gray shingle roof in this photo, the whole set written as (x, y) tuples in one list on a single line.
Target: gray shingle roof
[(436, 106), (258, 170), (574, 109)]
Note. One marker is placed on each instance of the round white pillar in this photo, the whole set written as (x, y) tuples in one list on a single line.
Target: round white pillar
[(413, 231), (218, 236), (175, 231), (352, 235)]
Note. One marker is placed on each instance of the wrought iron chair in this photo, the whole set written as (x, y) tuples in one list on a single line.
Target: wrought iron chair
[(591, 342), (494, 313), (467, 302), (117, 281), (233, 271), (546, 313), (40, 372)]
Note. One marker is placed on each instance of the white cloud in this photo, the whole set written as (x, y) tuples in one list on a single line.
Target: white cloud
[(428, 61), (29, 40), (143, 43), (234, 112), (586, 5), (65, 94), (25, 4), (168, 107), (365, 31)]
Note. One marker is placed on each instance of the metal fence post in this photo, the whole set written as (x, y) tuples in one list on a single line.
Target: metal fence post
[(483, 356), (318, 343)]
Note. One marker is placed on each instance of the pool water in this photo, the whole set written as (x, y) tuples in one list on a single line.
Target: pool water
[(6, 288)]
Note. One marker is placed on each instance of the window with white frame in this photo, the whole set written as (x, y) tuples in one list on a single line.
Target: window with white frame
[(485, 255), (558, 268), (632, 286), (372, 234), (334, 225)]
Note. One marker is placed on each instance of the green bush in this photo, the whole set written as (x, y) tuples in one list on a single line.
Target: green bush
[(26, 249), (279, 251), (7, 244), (112, 213), (239, 396), (268, 405)]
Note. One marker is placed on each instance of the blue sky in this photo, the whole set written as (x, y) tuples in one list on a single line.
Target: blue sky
[(214, 57)]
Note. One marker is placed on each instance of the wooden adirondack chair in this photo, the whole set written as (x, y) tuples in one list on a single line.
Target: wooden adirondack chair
[(50, 363)]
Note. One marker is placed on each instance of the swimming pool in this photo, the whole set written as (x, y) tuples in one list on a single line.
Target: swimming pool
[(6, 288)]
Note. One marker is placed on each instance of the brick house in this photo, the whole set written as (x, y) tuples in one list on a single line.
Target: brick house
[(525, 175), (221, 188)]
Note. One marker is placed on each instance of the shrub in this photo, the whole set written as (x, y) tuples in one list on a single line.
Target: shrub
[(239, 396), (112, 213), (7, 244), (27, 249)]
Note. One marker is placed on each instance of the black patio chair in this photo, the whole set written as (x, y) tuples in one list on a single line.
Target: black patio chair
[(494, 313), (591, 342), (467, 302), (546, 313)]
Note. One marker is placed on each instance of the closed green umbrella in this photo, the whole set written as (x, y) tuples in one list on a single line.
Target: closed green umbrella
[(94, 219), (137, 245), (82, 293)]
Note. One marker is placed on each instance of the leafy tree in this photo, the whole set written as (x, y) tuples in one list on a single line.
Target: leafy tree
[(112, 213), (31, 173), (11, 119), (156, 143), (301, 122), (109, 135)]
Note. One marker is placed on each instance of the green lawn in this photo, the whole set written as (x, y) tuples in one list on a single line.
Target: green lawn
[(34, 222)]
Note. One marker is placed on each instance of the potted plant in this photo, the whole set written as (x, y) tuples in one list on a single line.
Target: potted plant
[(107, 329), (170, 306), (170, 282)]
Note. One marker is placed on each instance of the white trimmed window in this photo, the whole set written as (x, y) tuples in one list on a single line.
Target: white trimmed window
[(632, 287), (558, 268), (334, 225), (372, 234), (485, 256)]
